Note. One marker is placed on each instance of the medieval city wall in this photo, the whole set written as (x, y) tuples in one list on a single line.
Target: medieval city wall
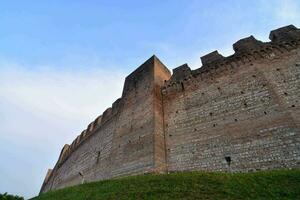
[(243, 109), (121, 140), (236, 113)]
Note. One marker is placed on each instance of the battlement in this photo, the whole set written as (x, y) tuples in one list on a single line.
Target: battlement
[(130, 82), (285, 34), (165, 122), (247, 45), (211, 58), (247, 51), (91, 129), (181, 72), (147, 79)]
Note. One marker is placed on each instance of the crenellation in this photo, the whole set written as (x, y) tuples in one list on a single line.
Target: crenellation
[(243, 108), (98, 120), (287, 33), (247, 45), (248, 50), (90, 127), (107, 114), (63, 153), (73, 144), (77, 140), (116, 106), (180, 73), (211, 58)]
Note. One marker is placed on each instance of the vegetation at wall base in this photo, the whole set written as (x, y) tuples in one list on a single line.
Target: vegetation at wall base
[(6, 196), (275, 184)]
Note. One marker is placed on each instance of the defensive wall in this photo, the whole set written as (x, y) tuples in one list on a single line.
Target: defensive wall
[(235, 113)]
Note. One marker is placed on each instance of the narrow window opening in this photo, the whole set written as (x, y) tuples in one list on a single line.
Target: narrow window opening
[(228, 160), (182, 86), (98, 157)]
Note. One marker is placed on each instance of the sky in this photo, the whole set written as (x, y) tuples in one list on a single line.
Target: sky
[(63, 62)]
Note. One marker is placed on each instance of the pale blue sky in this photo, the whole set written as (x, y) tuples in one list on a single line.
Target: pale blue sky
[(62, 62)]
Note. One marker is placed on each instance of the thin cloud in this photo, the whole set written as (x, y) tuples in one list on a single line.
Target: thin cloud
[(42, 109), (66, 94)]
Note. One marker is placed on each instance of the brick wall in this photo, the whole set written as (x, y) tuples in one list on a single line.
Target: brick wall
[(247, 114), (236, 113), (121, 141), (239, 114)]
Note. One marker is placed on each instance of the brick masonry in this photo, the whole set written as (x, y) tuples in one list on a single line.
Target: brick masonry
[(236, 113)]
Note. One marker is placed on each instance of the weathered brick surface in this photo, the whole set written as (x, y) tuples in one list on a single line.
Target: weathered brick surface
[(243, 108), (247, 115), (121, 141)]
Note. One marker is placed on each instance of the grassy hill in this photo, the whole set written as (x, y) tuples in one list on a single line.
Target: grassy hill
[(277, 184)]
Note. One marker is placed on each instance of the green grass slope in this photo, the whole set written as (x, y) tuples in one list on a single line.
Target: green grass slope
[(277, 184)]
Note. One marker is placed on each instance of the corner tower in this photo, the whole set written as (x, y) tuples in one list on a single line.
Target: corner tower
[(126, 139), (139, 138)]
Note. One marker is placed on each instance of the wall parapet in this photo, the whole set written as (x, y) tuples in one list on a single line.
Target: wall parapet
[(92, 128), (247, 51), (110, 113)]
